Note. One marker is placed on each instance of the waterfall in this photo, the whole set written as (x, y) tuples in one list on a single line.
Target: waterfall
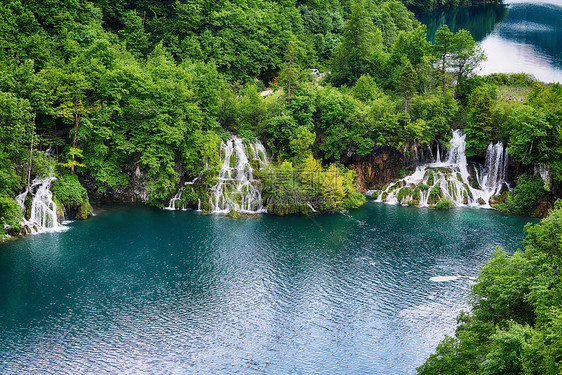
[(449, 178), (236, 189), (496, 166), (177, 203), (43, 211)]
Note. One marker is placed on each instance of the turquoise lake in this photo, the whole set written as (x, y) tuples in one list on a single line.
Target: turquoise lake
[(518, 36), (147, 291)]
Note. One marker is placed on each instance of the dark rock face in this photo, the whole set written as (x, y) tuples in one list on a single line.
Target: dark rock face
[(544, 205), (377, 169), (134, 192)]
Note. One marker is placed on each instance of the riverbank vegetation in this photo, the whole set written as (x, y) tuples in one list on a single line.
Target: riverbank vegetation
[(515, 323), (135, 96)]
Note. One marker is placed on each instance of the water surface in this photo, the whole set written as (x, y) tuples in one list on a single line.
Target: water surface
[(519, 36), (145, 291)]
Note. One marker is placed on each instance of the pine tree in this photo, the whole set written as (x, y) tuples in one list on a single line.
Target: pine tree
[(407, 84), (289, 77)]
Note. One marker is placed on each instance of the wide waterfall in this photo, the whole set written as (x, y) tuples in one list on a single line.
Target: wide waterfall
[(452, 180), (236, 188), (43, 210)]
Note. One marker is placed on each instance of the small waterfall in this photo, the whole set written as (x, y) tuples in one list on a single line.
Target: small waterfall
[(496, 166), (43, 211), (450, 179), (177, 203), (236, 189)]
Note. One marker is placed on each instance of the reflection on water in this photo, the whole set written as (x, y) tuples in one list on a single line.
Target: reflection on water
[(145, 291), (521, 36), (479, 20)]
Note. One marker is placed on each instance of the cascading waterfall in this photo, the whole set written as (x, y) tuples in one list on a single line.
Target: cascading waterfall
[(236, 189), (177, 203), (496, 165), (43, 211), (450, 179)]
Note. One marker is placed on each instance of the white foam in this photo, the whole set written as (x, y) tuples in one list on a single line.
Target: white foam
[(440, 279)]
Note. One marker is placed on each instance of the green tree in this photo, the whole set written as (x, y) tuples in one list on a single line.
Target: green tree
[(16, 136), (442, 50), (289, 76), (133, 33), (361, 44), (407, 83), (529, 135), (466, 57), (480, 131)]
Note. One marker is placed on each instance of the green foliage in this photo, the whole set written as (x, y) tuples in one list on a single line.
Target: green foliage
[(510, 79), (444, 204), (525, 196), (366, 89), (515, 323), (529, 135), (16, 134), (68, 191), (309, 188), (407, 83), (361, 45), (480, 130), (457, 56), (10, 217)]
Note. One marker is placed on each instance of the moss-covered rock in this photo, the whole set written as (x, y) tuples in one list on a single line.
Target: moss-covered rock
[(68, 192), (403, 193), (435, 195), (444, 204)]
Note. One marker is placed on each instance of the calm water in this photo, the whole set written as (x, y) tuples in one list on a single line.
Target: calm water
[(518, 36), (139, 290)]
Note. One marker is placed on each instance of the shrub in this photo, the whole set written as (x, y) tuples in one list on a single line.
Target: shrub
[(68, 191), (524, 198), (10, 217), (444, 204)]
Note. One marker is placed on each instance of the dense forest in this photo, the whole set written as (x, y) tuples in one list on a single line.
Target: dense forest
[(146, 90)]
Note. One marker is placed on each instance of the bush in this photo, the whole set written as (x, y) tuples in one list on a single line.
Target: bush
[(68, 191), (515, 321), (444, 204), (309, 188), (10, 217), (524, 198)]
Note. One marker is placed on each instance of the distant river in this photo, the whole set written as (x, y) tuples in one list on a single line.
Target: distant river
[(144, 291), (517, 36)]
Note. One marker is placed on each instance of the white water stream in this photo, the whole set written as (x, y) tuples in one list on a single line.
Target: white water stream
[(450, 179), (236, 188), (43, 210)]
